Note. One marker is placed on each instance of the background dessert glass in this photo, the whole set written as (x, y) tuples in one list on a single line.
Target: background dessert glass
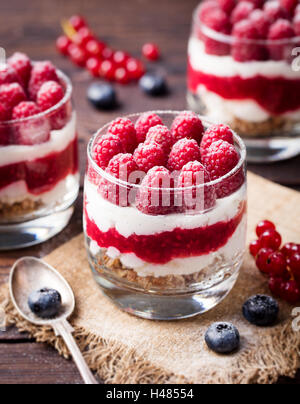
[(258, 97), (39, 182), (130, 252)]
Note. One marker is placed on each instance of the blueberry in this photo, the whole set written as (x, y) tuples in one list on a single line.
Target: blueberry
[(45, 303), (153, 84), (102, 96), (261, 310), (222, 338)]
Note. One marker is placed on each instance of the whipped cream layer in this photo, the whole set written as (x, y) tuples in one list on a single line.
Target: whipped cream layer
[(129, 220), (59, 140)]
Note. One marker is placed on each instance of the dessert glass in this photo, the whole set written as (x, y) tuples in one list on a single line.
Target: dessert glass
[(259, 99), (39, 182), (165, 266)]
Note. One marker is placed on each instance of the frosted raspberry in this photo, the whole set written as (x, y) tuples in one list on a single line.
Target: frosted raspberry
[(261, 22), (242, 11), (227, 5), (125, 130), (11, 95), (182, 152), (161, 135), (187, 125), (105, 149), (34, 131), (289, 5), (41, 72), (274, 11), (122, 166), (218, 21), (215, 133), (22, 65), (8, 75), (243, 51), (199, 198), (144, 123), (149, 155), (220, 158), (281, 29), (155, 195), (208, 7)]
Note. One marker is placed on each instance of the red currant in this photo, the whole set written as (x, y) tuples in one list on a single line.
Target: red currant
[(120, 58), (93, 65), (107, 53), (294, 264), (276, 264), (264, 226), (94, 48), (77, 22), (290, 248), (83, 36), (270, 239), (107, 70), (291, 292), (262, 259), (254, 248), (62, 44), (151, 51), (122, 76), (135, 68), (77, 55), (276, 286)]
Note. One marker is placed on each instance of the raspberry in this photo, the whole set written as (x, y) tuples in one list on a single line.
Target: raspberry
[(206, 8), (215, 133), (227, 5), (8, 75), (263, 226), (262, 259), (187, 125), (34, 131), (160, 134), (281, 29), (261, 22), (218, 21), (144, 123), (124, 129), (155, 196), (41, 72), (242, 11), (219, 159), (243, 51), (289, 5), (22, 65), (121, 166), (254, 248), (274, 11), (199, 198), (270, 239), (11, 95), (184, 151), (149, 155), (106, 148)]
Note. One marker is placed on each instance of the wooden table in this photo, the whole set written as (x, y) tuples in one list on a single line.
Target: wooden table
[(32, 26)]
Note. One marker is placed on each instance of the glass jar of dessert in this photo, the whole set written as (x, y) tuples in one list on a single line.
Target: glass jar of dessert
[(243, 70), (165, 213), (39, 177)]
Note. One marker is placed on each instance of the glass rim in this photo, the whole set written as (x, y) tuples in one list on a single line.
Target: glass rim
[(230, 39), (207, 123), (68, 93)]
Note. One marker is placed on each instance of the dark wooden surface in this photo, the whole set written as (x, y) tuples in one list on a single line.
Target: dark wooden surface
[(32, 26)]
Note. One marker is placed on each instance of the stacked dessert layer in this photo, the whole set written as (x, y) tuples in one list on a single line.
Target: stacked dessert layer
[(241, 63), (150, 224), (38, 141)]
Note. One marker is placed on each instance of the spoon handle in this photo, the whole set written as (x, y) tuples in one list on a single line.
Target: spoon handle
[(65, 330)]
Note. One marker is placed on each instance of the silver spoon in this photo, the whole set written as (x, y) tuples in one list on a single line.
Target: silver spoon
[(30, 274)]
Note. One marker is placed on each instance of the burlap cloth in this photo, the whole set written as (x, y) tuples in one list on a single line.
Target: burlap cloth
[(125, 349)]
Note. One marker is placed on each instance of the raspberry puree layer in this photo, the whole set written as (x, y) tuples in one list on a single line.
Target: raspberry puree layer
[(163, 247)]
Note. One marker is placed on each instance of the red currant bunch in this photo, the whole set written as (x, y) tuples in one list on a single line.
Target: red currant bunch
[(281, 264)]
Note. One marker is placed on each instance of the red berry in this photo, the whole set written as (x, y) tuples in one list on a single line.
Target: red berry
[(94, 48), (215, 133), (144, 123), (160, 134), (107, 70), (289, 249), (149, 155), (22, 65), (77, 22), (227, 5), (135, 69), (276, 286), (106, 148), (5, 132), (50, 94), (151, 51), (241, 50), (184, 151), (4, 113), (296, 23), (294, 265), (8, 75), (262, 259), (187, 125), (122, 75), (107, 53), (254, 248), (257, 3), (82, 36), (125, 130), (289, 5), (78, 55), (41, 72), (242, 11), (262, 23), (25, 109), (218, 21), (264, 226), (93, 66), (281, 29), (274, 11), (277, 264), (199, 198), (208, 7), (62, 44), (120, 58), (291, 292), (11, 95), (270, 239)]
